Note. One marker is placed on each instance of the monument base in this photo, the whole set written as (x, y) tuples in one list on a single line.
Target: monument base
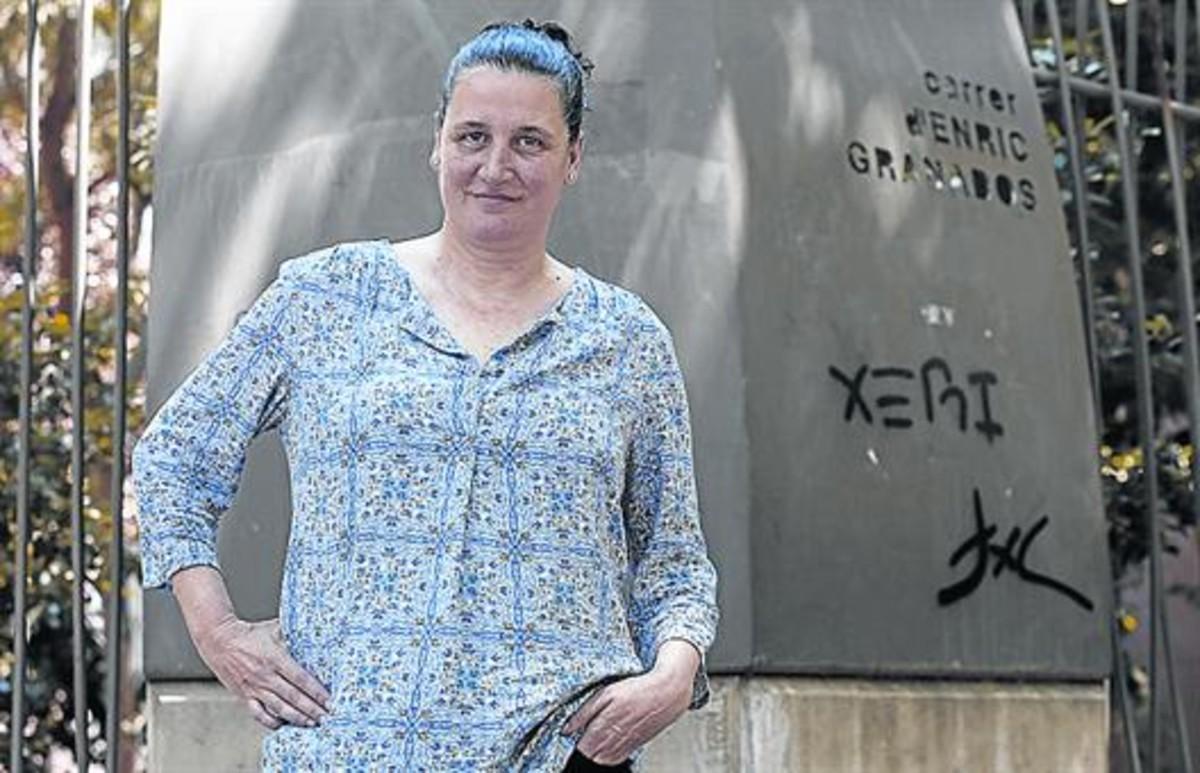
[(762, 725)]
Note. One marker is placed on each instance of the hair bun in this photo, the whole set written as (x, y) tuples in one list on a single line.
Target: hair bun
[(559, 34), (540, 48)]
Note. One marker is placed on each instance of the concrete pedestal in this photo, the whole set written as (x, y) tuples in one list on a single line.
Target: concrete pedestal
[(763, 725)]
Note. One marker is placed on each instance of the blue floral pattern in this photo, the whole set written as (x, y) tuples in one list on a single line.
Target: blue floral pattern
[(475, 547)]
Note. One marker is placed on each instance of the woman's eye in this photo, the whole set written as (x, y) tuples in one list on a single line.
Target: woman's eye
[(472, 138), (530, 142)]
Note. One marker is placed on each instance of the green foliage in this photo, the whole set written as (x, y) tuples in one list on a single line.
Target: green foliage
[(49, 576), (1120, 458), (49, 706), (1113, 317)]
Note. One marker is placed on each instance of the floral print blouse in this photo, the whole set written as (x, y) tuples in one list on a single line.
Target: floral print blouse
[(475, 547)]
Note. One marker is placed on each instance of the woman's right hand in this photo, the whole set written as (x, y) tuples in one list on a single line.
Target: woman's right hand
[(252, 661)]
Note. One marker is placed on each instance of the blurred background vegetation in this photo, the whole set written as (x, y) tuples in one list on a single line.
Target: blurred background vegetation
[(1151, 27), (50, 717), (48, 730)]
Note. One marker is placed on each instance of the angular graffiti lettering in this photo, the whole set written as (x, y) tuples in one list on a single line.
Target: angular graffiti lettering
[(1011, 555), (987, 425), (893, 400), (854, 397), (938, 393), (949, 392)]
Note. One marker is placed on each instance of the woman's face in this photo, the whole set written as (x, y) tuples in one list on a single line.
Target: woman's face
[(503, 156)]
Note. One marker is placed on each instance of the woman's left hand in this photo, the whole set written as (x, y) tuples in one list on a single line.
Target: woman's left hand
[(624, 715)]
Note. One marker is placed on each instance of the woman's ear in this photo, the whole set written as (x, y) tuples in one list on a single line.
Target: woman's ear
[(574, 160), (434, 157)]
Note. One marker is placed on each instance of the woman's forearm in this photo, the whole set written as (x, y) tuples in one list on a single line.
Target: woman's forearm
[(677, 657), (251, 659), (204, 601)]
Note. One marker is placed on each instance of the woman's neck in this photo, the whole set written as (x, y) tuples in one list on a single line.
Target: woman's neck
[(490, 279)]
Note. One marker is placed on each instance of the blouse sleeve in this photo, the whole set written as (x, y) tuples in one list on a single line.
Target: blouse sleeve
[(187, 465), (673, 594)]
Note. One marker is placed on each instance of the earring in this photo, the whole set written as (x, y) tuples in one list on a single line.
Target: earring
[(571, 177), (433, 162)]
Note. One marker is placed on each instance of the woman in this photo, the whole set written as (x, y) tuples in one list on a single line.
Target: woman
[(495, 560)]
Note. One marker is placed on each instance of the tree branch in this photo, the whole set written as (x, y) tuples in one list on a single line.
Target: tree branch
[(56, 180)]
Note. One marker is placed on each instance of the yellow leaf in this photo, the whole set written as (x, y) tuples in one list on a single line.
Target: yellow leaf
[(59, 324)]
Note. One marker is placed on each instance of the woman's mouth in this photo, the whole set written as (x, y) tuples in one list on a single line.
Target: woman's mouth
[(489, 196)]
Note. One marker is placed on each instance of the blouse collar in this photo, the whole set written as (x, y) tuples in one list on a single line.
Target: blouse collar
[(418, 318)]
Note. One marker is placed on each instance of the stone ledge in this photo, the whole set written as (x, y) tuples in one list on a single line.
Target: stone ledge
[(761, 725)]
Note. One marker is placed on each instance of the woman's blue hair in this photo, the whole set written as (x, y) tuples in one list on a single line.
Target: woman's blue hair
[(542, 48)]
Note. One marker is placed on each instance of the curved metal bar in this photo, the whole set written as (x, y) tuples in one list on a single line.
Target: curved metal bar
[(1120, 684), (1180, 62), (112, 657), (1187, 307), (28, 278), (1132, 26), (1141, 352), (1046, 75), (1082, 30), (1178, 711), (1078, 191), (83, 105), (1124, 702)]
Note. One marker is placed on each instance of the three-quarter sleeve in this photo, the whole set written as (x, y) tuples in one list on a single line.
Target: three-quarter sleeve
[(673, 592), (187, 465)]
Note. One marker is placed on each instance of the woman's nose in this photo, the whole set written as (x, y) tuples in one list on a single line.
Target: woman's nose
[(498, 163)]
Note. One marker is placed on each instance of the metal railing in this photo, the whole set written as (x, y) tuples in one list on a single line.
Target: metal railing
[(1168, 103), (79, 286), (1072, 86), (24, 398)]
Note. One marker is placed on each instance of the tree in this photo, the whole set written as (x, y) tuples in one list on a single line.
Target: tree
[(49, 707)]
